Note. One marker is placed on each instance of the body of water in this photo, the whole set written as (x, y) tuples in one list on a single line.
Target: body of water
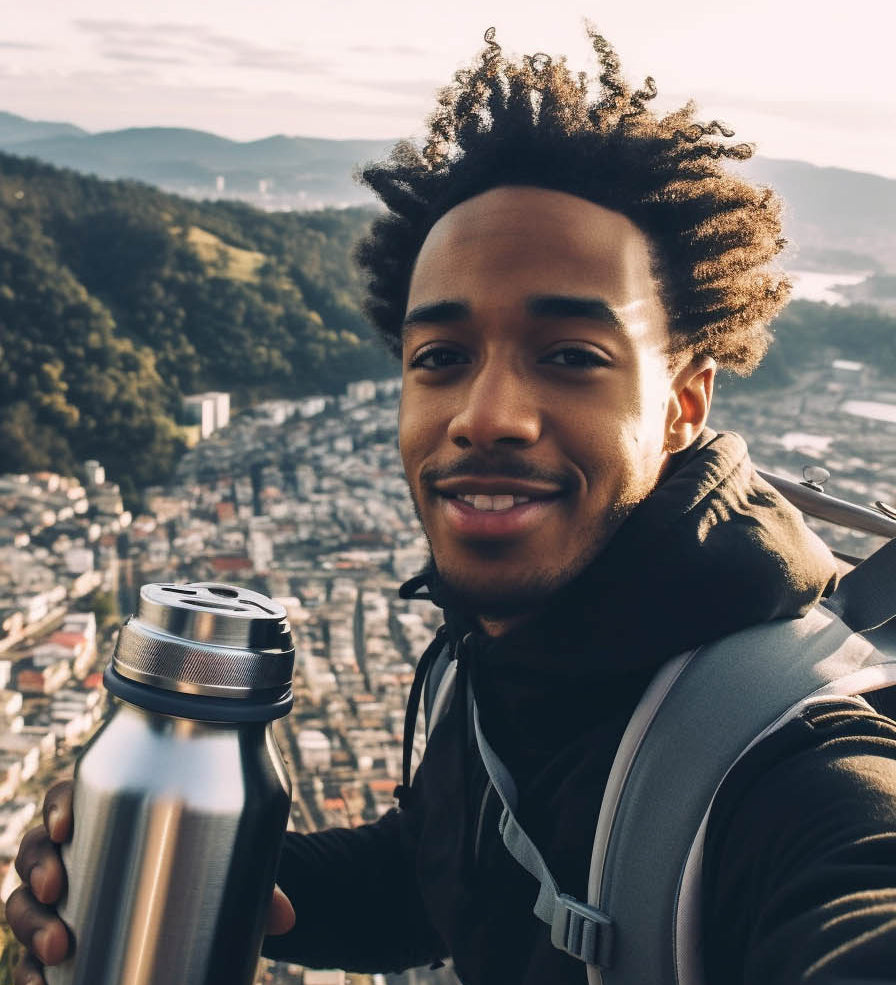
[(814, 285)]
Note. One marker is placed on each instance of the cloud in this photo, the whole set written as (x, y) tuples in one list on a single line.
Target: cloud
[(850, 114), (128, 57), (192, 45), (410, 88), (400, 50), (21, 46)]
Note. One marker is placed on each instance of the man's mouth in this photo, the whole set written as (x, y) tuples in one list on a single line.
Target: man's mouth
[(492, 504)]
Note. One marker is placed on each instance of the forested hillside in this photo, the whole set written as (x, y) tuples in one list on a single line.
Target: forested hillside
[(807, 332), (116, 299)]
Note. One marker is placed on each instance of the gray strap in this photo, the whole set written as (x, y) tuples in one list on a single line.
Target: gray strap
[(711, 709), (866, 598), (688, 933), (580, 930), (443, 691)]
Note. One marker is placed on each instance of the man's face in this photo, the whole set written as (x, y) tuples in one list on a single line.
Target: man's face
[(537, 396)]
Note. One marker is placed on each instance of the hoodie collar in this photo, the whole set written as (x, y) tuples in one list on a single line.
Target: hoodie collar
[(712, 550)]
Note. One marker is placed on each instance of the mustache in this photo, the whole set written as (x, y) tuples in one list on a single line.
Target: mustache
[(495, 467)]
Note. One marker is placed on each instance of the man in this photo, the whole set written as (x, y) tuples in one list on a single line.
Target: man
[(561, 278)]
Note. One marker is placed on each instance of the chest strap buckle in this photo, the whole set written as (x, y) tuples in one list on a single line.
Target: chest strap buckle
[(582, 931)]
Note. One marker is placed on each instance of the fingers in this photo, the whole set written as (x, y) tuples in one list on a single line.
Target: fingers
[(37, 927), (40, 867), (32, 921), (281, 916), (28, 972), (58, 811)]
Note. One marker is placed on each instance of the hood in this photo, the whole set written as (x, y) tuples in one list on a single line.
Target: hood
[(712, 550)]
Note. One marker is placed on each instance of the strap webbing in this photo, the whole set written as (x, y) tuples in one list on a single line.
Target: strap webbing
[(403, 791), (723, 697), (580, 930)]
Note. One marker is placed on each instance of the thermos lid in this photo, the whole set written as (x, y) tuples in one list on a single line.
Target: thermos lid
[(207, 639)]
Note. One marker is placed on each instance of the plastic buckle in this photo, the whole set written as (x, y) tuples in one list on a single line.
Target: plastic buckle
[(582, 931)]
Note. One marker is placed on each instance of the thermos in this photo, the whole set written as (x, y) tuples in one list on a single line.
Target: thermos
[(181, 799)]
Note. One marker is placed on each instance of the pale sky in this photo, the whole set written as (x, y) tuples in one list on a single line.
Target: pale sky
[(804, 79)]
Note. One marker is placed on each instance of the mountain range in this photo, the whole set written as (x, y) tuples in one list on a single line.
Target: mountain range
[(836, 219), (277, 172)]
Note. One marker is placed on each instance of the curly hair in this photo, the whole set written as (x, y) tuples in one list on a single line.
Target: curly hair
[(533, 122)]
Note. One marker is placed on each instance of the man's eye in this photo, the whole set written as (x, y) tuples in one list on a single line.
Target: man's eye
[(584, 358), (438, 357)]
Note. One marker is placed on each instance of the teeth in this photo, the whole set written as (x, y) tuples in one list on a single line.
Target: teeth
[(493, 503)]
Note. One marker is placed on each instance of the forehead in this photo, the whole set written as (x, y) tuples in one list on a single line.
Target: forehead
[(544, 240)]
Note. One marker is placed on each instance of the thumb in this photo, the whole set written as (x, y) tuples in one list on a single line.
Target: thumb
[(281, 916)]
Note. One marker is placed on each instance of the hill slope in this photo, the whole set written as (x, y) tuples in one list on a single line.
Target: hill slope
[(836, 219), (832, 212), (116, 299), (16, 129), (297, 171)]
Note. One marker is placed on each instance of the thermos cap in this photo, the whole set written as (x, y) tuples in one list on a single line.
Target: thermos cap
[(207, 639)]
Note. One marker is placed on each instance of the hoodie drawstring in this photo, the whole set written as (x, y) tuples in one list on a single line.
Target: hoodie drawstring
[(403, 791)]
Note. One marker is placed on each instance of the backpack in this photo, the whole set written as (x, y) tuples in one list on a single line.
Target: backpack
[(641, 920)]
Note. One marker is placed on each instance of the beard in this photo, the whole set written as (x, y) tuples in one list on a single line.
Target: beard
[(505, 598), (520, 592), (492, 603)]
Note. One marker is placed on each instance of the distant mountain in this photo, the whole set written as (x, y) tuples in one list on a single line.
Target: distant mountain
[(832, 213), (16, 129), (836, 219), (277, 172), (117, 299)]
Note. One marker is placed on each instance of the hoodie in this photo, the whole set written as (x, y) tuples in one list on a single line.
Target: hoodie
[(712, 550)]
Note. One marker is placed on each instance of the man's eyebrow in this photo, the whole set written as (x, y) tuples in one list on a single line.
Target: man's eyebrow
[(437, 312), (569, 306), (541, 305)]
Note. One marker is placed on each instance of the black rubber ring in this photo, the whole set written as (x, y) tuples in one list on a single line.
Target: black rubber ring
[(198, 707)]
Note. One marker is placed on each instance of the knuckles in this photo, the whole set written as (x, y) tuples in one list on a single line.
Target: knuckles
[(24, 914), (34, 847), (37, 927), (27, 972), (57, 810)]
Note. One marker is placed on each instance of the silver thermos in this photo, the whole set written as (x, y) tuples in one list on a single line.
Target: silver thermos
[(181, 799)]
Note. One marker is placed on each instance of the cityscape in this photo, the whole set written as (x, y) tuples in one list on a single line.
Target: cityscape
[(305, 501)]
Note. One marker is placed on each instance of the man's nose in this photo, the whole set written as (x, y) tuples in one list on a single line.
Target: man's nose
[(498, 407)]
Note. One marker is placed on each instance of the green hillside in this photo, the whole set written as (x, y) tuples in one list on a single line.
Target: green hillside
[(116, 299)]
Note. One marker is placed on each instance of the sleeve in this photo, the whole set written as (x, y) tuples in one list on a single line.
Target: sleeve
[(356, 899), (799, 877)]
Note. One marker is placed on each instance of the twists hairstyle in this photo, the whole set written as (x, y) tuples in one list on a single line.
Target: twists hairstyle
[(533, 122)]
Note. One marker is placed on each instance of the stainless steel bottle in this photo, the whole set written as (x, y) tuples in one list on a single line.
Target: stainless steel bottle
[(181, 799)]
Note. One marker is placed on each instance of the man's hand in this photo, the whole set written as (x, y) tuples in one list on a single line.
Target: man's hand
[(281, 916), (30, 910)]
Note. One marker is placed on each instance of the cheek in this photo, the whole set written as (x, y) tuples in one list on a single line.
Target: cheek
[(415, 424), (404, 434)]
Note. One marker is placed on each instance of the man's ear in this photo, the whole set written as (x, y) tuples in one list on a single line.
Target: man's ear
[(689, 402)]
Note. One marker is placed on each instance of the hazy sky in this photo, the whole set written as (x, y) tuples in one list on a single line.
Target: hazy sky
[(807, 79)]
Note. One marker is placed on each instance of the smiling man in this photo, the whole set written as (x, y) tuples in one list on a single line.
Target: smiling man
[(540, 404), (561, 271)]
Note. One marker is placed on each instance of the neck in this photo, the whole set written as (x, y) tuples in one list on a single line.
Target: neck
[(498, 627)]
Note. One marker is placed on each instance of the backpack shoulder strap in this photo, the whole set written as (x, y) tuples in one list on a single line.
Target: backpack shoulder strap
[(439, 687), (666, 773)]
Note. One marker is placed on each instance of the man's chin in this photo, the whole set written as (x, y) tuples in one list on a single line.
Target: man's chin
[(499, 599)]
